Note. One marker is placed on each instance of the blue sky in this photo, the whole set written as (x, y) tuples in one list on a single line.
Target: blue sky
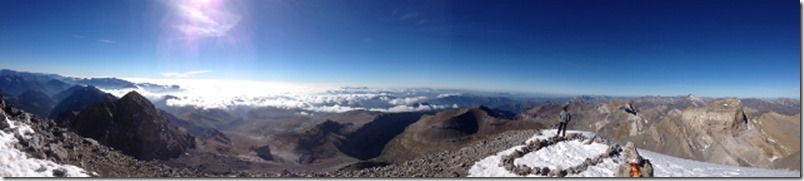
[(631, 48)]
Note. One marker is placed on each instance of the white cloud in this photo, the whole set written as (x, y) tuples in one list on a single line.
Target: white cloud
[(107, 41), (226, 94), (407, 16), (184, 74), (448, 94), (407, 100)]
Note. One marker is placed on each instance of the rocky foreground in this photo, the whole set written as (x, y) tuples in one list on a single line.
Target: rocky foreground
[(454, 163)]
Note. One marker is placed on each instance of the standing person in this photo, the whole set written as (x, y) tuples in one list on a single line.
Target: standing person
[(563, 119)]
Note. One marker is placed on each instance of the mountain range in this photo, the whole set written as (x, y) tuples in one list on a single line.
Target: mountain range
[(187, 140)]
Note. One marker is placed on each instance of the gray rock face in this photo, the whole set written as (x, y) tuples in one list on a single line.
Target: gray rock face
[(647, 168), (726, 131), (631, 153), (522, 170), (59, 173), (134, 126), (264, 152), (632, 156), (53, 143), (3, 122)]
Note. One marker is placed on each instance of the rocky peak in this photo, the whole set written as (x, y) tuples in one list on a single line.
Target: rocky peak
[(134, 98), (134, 126)]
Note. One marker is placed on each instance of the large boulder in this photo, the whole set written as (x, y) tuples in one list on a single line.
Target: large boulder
[(134, 126), (264, 152), (632, 156)]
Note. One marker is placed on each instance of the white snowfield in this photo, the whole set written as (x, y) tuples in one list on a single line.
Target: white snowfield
[(570, 153), (15, 163)]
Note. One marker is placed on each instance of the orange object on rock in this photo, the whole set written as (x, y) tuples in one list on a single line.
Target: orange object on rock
[(635, 170)]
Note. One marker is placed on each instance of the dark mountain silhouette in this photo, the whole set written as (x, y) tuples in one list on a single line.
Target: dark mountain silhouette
[(59, 146), (34, 102), (58, 97), (133, 125), (79, 99)]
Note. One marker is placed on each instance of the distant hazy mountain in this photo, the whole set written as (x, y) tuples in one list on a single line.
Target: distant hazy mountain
[(80, 98), (34, 102), (472, 100), (16, 84), (58, 97), (104, 83), (45, 94)]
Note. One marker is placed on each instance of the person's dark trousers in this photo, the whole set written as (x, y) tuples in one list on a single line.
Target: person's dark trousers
[(562, 126)]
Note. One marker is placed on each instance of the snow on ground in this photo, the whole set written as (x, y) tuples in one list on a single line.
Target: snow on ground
[(668, 166), (15, 163), (570, 153)]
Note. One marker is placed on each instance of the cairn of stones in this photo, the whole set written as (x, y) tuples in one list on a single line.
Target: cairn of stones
[(507, 161), (632, 156)]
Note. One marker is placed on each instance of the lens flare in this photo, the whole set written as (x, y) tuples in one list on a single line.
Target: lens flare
[(192, 24)]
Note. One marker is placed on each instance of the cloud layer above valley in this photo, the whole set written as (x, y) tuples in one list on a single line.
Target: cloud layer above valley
[(229, 94), (184, 74)]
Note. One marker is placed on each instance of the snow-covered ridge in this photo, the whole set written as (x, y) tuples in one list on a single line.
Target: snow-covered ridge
[(15, 163), (236, 93), (567, 153)]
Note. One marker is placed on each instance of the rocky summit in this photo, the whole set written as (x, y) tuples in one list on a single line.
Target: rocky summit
[(51, 150), (132, 125)]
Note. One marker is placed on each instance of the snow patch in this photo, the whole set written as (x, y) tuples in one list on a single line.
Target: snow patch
[(16, 163), (569, 153)]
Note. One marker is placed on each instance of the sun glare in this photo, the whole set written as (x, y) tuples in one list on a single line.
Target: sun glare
[(194, 20)]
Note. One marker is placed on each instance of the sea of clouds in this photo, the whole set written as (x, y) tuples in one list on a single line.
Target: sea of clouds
[(228, 94)]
